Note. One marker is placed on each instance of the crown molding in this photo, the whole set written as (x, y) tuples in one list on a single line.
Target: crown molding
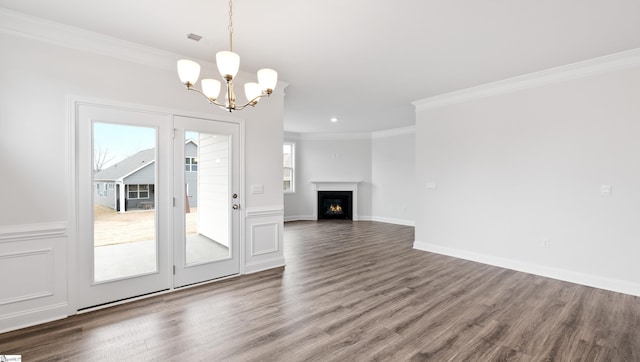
[(63, 35), (333, 136), (59, 34), (294, 136), (291, 136), (618, 61), (394, 132)]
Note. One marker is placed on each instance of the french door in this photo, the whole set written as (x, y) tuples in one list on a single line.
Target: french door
[(207, 200), (155, 206)]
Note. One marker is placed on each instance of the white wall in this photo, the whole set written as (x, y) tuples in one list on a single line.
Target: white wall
[(501, 168), (393, 174), (383, 161), (42, 65), (329, 158)]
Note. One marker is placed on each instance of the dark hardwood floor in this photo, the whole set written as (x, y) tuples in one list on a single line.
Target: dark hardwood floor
[(353, 291)]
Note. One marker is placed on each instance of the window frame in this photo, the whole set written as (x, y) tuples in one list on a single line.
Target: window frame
[(191, 164), (138, 191), (292, 188)]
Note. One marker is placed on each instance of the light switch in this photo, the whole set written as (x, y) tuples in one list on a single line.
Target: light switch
[(605, 190), (431, 186), (257, 189)]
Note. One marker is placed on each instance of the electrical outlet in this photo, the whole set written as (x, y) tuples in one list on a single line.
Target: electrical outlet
[(545, 243)]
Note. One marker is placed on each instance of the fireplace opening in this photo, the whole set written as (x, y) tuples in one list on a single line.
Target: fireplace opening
[(335, 205)]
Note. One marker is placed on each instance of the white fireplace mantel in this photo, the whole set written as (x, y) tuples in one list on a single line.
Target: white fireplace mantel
[(350, 185)]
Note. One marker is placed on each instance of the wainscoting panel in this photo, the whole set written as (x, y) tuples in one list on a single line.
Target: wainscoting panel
[(33, 271), (264, 236), (33, 274)]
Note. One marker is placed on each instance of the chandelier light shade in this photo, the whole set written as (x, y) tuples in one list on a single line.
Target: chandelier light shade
[(252, 91), (228, 64), (188, 71), (268, 78), (211, 88)]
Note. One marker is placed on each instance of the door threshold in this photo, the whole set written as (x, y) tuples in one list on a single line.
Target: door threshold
[(205, 282), (153, 294)]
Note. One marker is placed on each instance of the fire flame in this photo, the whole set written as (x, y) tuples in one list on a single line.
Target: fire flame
[(335, 208)]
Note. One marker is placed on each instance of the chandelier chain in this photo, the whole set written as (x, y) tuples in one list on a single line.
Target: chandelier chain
[(230, 26)]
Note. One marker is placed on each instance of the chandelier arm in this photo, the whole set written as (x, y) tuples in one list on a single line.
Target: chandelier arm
[(252, 102), (212, 101)]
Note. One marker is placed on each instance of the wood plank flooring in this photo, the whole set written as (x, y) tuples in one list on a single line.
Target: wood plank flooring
[(353, 291)]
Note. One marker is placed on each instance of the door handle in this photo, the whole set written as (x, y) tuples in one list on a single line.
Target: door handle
[(236, 206)]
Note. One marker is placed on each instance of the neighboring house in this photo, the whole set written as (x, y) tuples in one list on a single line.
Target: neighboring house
[(130, 183)]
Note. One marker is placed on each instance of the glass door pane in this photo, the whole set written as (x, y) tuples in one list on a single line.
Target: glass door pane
[(207, 205), (124, 217)]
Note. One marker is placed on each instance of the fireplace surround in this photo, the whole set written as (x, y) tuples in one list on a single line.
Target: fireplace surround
[(336, 186)]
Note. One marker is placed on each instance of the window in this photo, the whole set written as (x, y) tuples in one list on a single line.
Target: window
[(191, 164), (143, 191), (138, 191), (288, 162)]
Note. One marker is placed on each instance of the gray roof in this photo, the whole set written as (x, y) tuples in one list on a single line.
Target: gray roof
[(133, 163)]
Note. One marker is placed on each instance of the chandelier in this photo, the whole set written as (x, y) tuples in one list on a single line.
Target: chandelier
[(228, 64)]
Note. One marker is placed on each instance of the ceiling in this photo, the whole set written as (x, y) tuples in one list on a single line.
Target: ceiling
[(365, 61)]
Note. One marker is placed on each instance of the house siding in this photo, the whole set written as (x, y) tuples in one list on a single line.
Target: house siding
[(109, 198), (144, 176)]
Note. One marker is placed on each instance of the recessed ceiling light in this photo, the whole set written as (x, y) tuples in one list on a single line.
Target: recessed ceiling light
[(334, 119)]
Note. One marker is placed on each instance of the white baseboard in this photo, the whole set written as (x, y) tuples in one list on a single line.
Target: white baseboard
[(32, 317), (590, 280), (393, 221), (360, 218), (299, 218)]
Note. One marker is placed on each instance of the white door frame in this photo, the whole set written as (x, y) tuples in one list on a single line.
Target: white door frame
[(74, 102)]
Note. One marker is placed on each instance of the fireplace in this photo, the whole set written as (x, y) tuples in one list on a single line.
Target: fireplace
[(335, 205), (335, 186)]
